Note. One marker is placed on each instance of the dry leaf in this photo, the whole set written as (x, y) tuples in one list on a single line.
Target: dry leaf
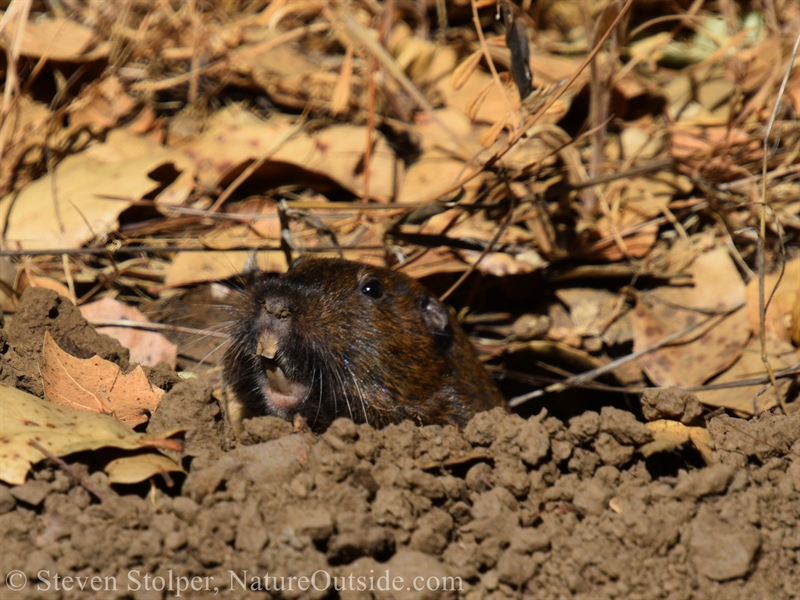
[(501, 264), (717, 284), (636, 244), (97, 385), (433, 174), (413, 53), (751, 67), (147, 348), (553, 67), (101, 106), (284, 71), (27, 280), (139, 467), (713, 348), (59, 430), (437, 261), (753, 399), (24, 134), (549, 71), (195, 267), (55, 38), (433, 129), (236, 137), (475, 104), (489, 136), (685, 364), (718, 151), (480, 97), (83, 186), (8, 275), (641, 143), (640, 200), (464, 70), (532, 151), (670, 435), (590, 309), (785, 301)]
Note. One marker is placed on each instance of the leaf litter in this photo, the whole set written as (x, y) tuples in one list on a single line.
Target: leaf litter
[(581, 180), (97, 385), (63, 432), (148, 348)]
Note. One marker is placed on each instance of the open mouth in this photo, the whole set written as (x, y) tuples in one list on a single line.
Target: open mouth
[(283, 393)]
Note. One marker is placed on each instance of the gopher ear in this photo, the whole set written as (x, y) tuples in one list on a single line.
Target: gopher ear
[(435, 314), (297, 261)]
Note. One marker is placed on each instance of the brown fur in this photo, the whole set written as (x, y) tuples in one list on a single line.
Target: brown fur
[(356, 341)]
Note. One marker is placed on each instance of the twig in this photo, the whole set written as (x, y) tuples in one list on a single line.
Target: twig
[(20, 11), (225, 64), (365, 46), (268, 152), (178, 248), (102, 496), (530, 121), (483, 254), (762, 215), (595, 373), (154, 327), (792, 371), (599, 101), (487, 57)]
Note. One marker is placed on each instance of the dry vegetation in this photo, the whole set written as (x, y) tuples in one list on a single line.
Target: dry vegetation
[(608, 192), (642, 147)]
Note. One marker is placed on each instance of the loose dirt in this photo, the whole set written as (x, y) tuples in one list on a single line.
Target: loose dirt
[(506, 508)]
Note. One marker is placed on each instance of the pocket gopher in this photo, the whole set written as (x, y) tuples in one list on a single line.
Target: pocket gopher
[(335, 338)]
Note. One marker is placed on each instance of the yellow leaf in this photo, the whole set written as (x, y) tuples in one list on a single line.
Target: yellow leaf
[(670, 435), (139, 467), (90, 189), (60, 431)]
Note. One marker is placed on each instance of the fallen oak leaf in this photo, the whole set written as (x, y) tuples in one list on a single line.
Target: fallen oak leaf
[(97, 385), (85, 186), (715, 345), (713, 349), (58, 39), (235, 137), (61, 431), (756, 398)]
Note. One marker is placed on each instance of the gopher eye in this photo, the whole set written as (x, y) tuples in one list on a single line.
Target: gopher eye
[(372, 287)]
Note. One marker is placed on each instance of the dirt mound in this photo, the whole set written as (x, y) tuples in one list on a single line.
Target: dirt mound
[(506, 508)]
